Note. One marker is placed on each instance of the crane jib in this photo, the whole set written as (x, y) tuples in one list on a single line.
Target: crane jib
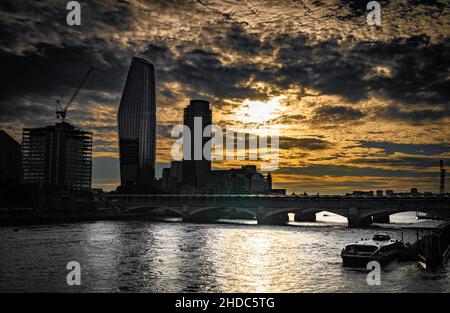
[(62, 112)]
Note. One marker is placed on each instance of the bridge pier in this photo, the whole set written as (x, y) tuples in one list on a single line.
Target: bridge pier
[(197, 219), (305, 217), (355, 220), (275, 219), (188, 218), (381, 219)]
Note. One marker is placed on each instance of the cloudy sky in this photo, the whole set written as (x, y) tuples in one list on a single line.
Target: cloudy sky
[(359, 107)]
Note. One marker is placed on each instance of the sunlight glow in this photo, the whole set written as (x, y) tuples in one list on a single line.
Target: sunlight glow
[(259, 111)]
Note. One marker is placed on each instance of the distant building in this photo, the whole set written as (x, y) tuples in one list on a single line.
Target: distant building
[(10, 159), (137, 125), (57, 156), (222, 182), (414, 191), (278, 191), (361, 193), (197, 169), (442, 175), (172, 178), (245, 180)]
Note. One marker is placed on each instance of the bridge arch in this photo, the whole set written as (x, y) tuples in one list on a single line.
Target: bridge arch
[(388, 212), (384, 216), (339, 211), (215, 212), (145, 209)]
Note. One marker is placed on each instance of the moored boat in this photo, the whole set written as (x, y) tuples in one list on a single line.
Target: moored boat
[(380, 248)]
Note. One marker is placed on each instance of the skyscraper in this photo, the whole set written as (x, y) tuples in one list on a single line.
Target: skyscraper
[(58, 156), (137, 125), (196, 170), (10, 159)]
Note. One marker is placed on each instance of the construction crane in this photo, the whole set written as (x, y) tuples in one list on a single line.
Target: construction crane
[(62, 112)]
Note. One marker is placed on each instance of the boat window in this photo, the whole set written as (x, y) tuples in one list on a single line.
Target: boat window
[(366, 248), (350, 249), (380, 237)]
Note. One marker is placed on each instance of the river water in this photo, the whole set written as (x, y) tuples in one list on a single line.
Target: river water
[(141, 256)]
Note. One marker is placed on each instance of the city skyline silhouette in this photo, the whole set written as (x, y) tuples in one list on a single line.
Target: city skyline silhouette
[(360, 107)]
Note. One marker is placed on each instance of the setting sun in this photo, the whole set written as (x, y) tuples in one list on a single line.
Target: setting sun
[(259, 111)]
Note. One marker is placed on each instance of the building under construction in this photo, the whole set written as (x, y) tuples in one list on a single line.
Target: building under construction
[(57, 156)]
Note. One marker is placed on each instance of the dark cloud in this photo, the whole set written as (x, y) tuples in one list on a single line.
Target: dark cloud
[(304, 143), (418, 116), (239, 40), (52, 70), (356, 8), (320, 65), (330, 157), (419, 68), (407, 161), (288, 119), (160, 55), (205, 74), (420, 149), (328, 114)]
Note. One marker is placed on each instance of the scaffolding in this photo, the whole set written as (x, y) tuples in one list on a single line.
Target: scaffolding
[(58, 156)]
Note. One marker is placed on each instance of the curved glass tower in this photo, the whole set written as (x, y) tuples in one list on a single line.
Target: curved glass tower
[(137, 124)]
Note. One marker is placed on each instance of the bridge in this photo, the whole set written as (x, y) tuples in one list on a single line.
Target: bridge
[(274, 209)]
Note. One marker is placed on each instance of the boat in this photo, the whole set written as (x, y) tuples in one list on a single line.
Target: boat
[(424, 216), (380, 248)]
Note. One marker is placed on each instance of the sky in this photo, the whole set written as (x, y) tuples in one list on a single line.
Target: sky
[(358, 106)]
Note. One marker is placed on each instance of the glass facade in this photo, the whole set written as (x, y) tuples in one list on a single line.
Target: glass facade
[(137, 124)]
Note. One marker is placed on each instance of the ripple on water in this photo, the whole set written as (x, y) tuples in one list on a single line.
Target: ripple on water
[(176, 257)]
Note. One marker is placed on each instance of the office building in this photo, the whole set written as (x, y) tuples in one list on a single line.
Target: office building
[(197, 168), (245, 180), (136, 120)]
